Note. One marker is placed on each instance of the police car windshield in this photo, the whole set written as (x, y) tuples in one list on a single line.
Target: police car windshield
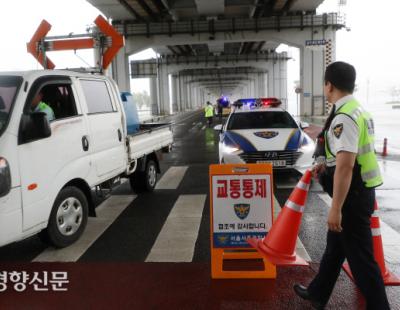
[(9, 86), (257, 120)]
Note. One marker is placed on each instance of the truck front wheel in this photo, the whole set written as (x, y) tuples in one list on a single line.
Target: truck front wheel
[(68, 218)]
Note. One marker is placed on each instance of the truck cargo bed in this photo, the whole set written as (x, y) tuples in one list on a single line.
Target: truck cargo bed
[(151, 137)]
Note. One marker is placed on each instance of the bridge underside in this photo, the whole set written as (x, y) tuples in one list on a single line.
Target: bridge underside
[(211, 48)]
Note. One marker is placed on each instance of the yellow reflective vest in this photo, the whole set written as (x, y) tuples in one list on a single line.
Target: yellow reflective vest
[(209, 110), (366, 157)]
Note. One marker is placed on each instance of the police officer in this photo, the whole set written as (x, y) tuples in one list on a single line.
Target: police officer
[(38, 105), (209, 113), (349, 174)]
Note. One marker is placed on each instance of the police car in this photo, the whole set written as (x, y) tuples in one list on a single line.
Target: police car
[(259, 131)]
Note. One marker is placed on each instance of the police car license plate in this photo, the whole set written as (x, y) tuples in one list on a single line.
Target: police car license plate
[(275, 163)]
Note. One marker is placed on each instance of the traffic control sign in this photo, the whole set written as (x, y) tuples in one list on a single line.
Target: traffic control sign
[(241, 207)]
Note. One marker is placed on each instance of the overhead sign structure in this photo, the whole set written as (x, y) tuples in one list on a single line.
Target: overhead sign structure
[(241, 207)]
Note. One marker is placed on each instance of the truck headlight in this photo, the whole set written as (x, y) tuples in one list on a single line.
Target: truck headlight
[(5, 177)]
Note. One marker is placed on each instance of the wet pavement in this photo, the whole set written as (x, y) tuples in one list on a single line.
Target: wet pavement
[(112, 271)]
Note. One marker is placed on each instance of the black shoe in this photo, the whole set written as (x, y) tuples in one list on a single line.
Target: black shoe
[(302, 291)]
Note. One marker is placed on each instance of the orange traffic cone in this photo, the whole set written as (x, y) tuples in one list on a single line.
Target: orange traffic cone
[(280, 243), (388, 277)]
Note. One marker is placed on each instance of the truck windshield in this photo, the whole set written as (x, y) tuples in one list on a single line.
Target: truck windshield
[(9, 86), (258, 120)]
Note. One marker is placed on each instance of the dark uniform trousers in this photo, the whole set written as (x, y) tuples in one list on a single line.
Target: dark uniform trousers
[(355, 244)]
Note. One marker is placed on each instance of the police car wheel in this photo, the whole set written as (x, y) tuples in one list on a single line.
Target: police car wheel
[(68, 218)]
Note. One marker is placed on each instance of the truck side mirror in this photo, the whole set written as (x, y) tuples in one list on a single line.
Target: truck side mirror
[(33, 126)]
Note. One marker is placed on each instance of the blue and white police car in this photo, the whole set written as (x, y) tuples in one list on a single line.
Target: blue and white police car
[(259, 131)]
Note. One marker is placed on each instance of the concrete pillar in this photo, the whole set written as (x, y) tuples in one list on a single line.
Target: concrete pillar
[(163, 90), (271, 80), (277, 79), (196, 102), (252, 87), (179, 92), (186, 92), (153, 96), (265, 85), (261, 84), (311, 82), (174, 90), (283, 83), (189, 94), (120, 71)]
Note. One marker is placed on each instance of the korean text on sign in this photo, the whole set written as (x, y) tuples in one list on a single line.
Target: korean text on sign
[(238, 188)]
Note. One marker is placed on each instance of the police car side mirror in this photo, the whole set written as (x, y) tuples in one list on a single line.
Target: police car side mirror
[(33, 126), (2, 104), (304, 125), (218, 127)]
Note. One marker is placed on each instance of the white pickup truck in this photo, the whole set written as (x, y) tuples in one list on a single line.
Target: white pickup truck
[(49, 168)]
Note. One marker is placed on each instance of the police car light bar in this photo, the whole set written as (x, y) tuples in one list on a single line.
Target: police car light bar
[(252, 103), (271, 102)]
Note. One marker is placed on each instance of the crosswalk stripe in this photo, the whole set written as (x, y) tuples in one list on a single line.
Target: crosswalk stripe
[(172, 178), (176, 240), (300, 249), (107, 213), (390, 237)]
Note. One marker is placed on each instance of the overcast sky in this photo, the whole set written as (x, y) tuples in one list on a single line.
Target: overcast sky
[(372, 45)]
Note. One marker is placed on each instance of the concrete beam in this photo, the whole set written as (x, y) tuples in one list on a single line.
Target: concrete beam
[(275, 23), (210, 8), (216, 64)]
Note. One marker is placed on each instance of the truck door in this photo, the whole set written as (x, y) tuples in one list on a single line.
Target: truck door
[(46, 164), (106, 134)]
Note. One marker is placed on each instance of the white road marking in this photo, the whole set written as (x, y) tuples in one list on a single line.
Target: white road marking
[(326, 199), (285, 185), (390, 237), (300, 249), (177, 238), (172, 178), (204, 127), (107, 213)]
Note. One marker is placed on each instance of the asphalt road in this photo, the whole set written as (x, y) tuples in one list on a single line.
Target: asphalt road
[(152, 250)]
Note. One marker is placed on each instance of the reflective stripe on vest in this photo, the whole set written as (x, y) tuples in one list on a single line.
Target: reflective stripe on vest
[(366, 157)]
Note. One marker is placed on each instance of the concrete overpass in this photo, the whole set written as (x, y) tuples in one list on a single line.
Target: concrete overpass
[(220, 38)]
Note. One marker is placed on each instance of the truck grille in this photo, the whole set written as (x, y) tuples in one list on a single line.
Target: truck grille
[(289, 156)]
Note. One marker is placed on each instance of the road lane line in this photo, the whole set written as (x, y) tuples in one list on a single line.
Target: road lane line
[(300, 249), (107, 213), (172, 178), (390, 237), (177, 239)]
